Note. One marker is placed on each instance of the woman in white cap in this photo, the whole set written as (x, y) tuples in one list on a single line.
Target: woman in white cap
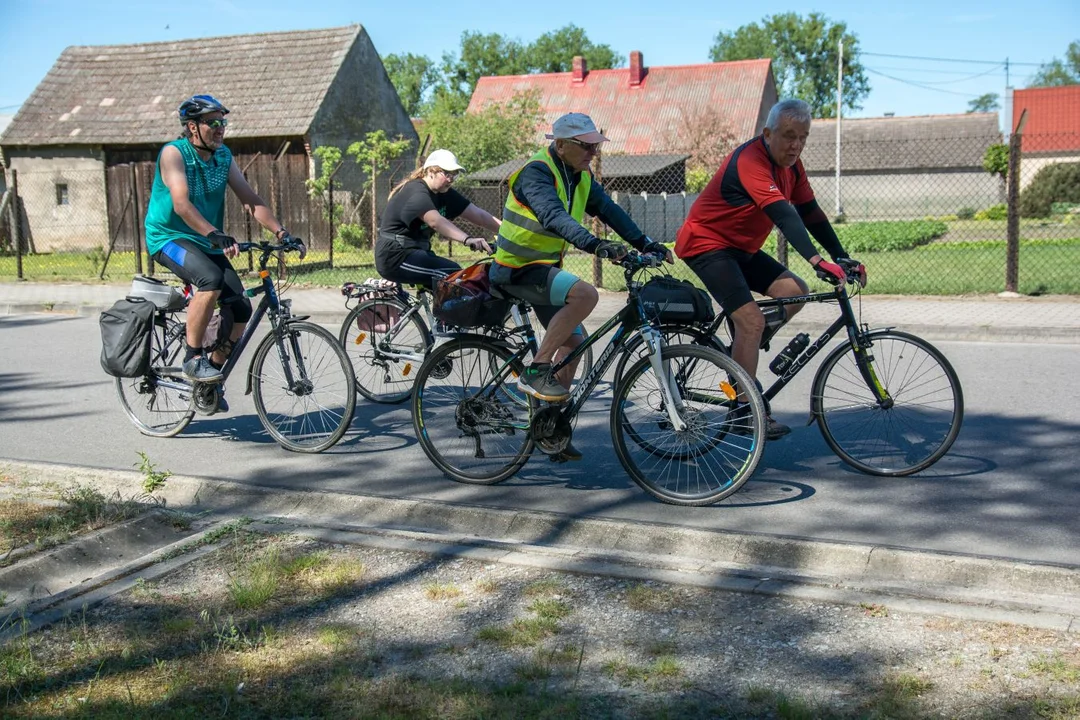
[(420, 206)]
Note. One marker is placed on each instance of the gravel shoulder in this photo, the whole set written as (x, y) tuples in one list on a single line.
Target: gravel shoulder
[(284, 626)]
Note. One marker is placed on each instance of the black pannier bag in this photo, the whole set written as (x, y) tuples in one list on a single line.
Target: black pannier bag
[(668, 299), (126, 330), (464, 299)]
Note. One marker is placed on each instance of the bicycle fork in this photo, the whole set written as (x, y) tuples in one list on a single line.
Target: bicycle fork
[(673, 404), (865, 362)]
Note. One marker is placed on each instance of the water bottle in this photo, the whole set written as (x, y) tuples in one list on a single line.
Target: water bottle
[(775, 317), (787, 356)]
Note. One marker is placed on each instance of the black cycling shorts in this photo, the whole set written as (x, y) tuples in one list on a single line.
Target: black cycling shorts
[(730, 275), (207, 272), (412, 267)]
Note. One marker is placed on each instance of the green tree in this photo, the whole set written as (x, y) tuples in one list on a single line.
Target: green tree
[(490, 137), (554, 52), (996, 160), (804, 58), (412, 76), (987, 102), (481, 54), (329, 158), (1060, 72), (373, 154)]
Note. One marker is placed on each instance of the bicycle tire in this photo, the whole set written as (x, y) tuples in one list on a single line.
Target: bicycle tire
[(927, 409), (159, 404), (723, 451), (634, 349), (379, 378), (316, 411), (455, 412)]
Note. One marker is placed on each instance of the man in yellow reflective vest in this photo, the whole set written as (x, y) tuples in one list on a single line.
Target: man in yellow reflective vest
[(541, 220)]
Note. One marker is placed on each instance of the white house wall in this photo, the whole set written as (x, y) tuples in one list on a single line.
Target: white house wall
[(83, 222)]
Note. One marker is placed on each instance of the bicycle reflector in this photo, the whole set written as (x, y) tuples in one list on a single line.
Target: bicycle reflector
[(360, 338), (728, 390)]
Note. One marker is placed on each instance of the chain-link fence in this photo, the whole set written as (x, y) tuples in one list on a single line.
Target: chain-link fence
[(921, 221)]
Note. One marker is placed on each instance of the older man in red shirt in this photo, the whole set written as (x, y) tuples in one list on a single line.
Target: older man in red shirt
[(760, 185)]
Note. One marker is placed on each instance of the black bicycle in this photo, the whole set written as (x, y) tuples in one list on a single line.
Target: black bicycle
[(675, 422), (301, 379), (886, 402), (388, 334)]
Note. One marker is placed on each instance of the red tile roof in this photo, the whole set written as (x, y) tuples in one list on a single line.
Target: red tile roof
[(644, 118), (1053, 122)]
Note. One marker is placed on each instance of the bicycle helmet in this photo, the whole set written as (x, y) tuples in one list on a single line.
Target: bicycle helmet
[(198, 105)]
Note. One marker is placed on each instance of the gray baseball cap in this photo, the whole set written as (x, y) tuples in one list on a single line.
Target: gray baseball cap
[(575, 125)]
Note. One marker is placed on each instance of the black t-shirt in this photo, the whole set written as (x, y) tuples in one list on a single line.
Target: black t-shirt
[(405, 211)]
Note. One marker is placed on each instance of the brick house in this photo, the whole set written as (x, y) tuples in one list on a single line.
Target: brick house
[(1052, 131)]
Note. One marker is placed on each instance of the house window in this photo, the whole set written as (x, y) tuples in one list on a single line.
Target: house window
[(61, 194)]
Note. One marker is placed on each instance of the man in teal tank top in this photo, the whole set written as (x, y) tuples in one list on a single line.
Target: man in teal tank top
[(184, 224)]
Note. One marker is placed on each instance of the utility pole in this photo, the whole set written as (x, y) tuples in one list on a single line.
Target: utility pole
[(839, 113)]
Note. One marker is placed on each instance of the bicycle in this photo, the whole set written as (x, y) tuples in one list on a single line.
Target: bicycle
[(301, 379), (673, 420), (389, 333), (887, 402)]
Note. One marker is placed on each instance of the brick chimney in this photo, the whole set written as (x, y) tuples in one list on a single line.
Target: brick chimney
[(581, 69), (637, 68)]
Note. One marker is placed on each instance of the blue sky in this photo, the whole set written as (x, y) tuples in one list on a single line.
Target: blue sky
[(33, 33)]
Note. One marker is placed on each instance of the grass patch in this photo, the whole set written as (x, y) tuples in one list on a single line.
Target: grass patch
[(336, 635), (648, 598), (538, 588), (255, 584), (441, 591), (487, 586), (874, 610), (549, 609), (81, 509), (1057, 668)]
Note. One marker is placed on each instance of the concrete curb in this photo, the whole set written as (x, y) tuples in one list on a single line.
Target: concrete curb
[(997, 585)]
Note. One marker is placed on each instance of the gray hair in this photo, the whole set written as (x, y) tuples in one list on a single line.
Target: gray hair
[(797, 110)]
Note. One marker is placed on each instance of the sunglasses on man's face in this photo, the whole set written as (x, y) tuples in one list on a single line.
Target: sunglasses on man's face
[(215, 124), (587, 147)]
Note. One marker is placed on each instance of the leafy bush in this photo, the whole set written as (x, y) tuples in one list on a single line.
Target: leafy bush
[(996, 160), (994, 212), (889, 235), (696, 179), (352, 235), (1064, 208), (1058, 183), (965, 213)]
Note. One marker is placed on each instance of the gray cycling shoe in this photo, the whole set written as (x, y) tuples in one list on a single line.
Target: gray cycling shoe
[(537, 381), (199, 369)]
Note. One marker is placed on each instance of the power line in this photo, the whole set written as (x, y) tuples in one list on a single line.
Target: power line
[(955, 60), (963, 79), (919, 85), (931, 70)]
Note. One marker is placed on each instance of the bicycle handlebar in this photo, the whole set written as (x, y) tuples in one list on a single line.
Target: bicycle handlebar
[(269, 247)]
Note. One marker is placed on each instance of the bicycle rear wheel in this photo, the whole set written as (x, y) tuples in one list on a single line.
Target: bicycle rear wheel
[(906, 435), (159, 403), (304, 387), (467, 421), (717, 451), (385, 351)]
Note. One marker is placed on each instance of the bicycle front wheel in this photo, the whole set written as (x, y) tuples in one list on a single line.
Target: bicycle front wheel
[(913, 429), (466, 412), (635, 347), (160, 403), (719, 444), (385, 349), (304, 387)]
